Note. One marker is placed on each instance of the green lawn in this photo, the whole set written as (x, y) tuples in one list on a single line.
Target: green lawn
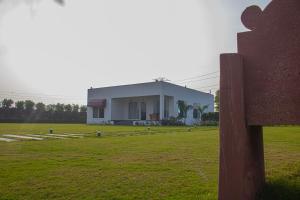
[(134, 163)]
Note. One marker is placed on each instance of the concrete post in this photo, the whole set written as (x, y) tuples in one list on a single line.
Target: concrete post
[(109, 110)]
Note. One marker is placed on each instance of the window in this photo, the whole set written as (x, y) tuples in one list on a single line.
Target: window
[(98, 112), (195, 114), (166, 107), (156, 107), (133, 110), (101, 112), (95, 112)]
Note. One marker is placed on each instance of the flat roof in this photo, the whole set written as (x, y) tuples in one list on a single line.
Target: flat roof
[(149, 83)]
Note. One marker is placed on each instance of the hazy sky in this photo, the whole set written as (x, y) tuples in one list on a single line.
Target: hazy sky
[(46, 49)]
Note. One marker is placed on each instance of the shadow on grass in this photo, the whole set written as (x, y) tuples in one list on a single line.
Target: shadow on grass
[(282, 189)]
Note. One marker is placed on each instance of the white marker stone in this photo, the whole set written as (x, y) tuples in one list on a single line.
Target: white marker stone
[(65, 135), (7, 139), (74, 134), (46, 136), (23, 137)]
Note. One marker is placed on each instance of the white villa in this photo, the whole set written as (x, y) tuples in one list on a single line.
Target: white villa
[(143, 103)]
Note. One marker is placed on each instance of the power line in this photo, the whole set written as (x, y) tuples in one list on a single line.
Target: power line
[(212, 89), (197, 80), (199, 76), (208, 86)]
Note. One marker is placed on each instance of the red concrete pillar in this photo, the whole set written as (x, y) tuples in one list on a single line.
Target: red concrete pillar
[(241, 173)]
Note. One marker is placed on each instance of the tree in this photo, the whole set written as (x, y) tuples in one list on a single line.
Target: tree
[(24, 111), (183, 109), (68, 108), (40, 107), (29, 105), (201, 109), (83, 108), (50, 107), (7, 103), (59, 107), (20, 105), (75, 108), (217, 101)]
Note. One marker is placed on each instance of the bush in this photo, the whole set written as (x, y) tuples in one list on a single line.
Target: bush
[(172, 121), (209, 123), (211, 117)]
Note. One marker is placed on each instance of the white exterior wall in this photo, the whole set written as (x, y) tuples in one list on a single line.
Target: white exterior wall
[(120, 106), (107, 114), (190, 97), (145, 92)]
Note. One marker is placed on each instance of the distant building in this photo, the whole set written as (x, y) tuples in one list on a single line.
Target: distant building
[(143, 103)]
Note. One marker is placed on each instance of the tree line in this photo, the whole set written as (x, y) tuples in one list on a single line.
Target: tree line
[(29, 111)]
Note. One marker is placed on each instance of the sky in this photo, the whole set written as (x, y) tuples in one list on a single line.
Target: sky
[(54, 53)]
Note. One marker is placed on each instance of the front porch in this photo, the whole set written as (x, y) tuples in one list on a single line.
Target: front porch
[(144, 108)]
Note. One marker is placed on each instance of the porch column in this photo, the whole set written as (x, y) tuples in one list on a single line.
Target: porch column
[(161, 106), (109, 110)]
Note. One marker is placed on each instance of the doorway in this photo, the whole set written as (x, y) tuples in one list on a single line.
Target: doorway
[(143, 111)]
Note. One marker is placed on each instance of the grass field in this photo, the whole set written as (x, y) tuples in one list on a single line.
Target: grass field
[(134, 163)]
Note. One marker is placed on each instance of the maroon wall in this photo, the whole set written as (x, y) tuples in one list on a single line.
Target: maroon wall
[(259, 85)]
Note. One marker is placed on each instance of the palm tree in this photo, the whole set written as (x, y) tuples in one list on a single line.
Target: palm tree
[(183, 109), (201, 109)]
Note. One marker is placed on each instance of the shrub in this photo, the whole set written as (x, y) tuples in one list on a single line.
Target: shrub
[(172, 121), (211, 116), (209, 123)]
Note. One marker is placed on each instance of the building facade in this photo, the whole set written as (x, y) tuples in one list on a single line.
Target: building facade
[(144, 102)]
